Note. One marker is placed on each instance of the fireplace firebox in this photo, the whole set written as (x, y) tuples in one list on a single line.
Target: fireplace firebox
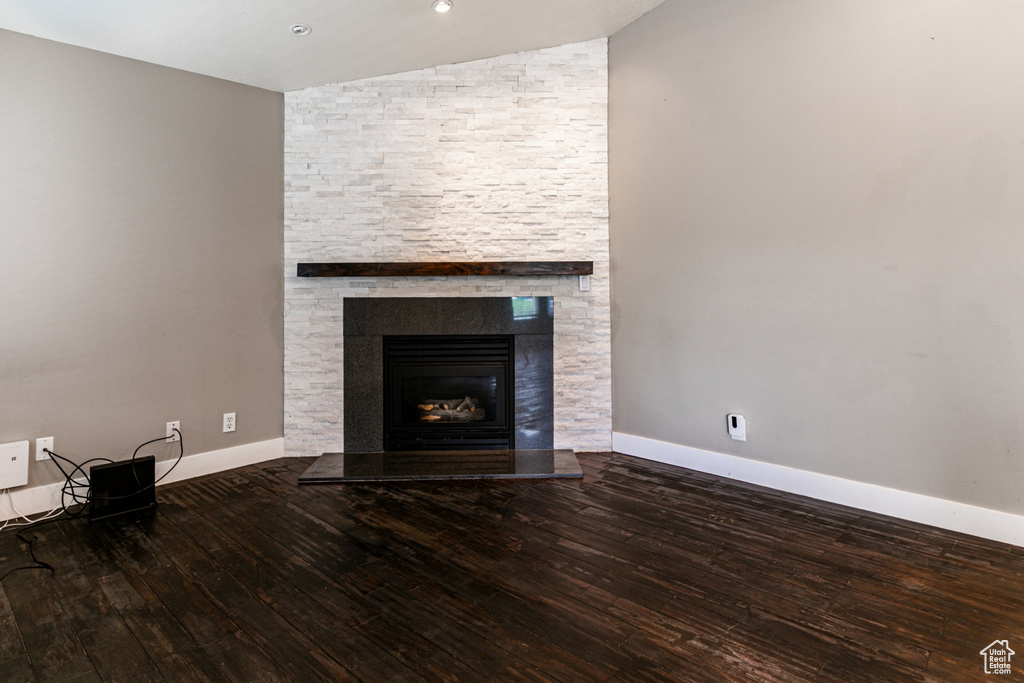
[(450, 392)]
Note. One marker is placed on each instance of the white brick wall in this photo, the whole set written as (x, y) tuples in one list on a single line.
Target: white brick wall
[(498, 159)]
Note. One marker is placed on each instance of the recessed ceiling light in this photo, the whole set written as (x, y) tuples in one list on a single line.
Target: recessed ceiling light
[(442, 6), (300, 29)]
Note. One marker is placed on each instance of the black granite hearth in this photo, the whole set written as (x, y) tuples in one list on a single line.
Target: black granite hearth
[(334, 468)]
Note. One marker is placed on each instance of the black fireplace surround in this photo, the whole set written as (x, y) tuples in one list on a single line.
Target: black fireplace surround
[(493, 355)]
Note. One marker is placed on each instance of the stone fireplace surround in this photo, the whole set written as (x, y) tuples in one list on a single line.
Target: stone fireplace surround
[(501, 159), (367, 320)]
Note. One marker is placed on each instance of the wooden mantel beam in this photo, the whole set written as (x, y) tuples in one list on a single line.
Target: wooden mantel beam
[(449, 268)]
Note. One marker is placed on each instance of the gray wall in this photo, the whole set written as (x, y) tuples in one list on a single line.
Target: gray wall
[(141, 253), (817, 220)]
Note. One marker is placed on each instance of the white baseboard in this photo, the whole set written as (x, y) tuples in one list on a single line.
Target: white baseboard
[(946, 514), (47, 497)]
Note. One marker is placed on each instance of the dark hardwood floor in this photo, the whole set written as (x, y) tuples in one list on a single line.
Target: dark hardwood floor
[(640, 571)]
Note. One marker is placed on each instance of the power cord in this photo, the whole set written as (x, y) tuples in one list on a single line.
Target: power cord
[(38, 564), (71, 486)]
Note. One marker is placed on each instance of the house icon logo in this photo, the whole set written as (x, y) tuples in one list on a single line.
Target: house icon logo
[(997, 657)]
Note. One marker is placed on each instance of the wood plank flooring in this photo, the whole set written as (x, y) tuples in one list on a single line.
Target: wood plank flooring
[(638, 572)]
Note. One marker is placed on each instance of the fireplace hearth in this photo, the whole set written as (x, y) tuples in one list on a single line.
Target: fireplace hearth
[(341, 468)]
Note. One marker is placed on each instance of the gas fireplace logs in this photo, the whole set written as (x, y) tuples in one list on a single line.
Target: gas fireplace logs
[(451, 410)]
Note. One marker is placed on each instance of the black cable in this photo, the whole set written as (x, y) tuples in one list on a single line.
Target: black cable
[(181, 453), (31, 551), (69, 483), (68, 489)]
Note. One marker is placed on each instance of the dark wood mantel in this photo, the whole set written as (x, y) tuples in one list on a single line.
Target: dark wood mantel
[(416, 269)]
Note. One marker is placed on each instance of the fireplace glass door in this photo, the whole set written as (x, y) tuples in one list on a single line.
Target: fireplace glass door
[(448, 392)]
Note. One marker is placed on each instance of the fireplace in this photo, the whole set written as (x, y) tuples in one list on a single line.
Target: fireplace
[(448, 392), (448, 373), (447, 388)]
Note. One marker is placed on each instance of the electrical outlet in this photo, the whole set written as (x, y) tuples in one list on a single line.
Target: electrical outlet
[(42, 445), (229, 422), (171, 426)]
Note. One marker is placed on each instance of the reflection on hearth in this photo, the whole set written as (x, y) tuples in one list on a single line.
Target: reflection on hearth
[(442, 465)]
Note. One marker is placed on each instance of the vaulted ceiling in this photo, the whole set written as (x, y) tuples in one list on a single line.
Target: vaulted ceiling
[(250, 41)]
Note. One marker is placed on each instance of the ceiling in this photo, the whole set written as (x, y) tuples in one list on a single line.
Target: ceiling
[(249, 41)]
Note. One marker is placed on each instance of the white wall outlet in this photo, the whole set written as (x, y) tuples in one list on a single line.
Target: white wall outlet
[(171, 435), (13, 464), (584, 283), (42, 445), (229, 422), (737, 427)]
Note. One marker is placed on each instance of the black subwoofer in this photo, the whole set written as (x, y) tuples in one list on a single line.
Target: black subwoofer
[(120, 487)]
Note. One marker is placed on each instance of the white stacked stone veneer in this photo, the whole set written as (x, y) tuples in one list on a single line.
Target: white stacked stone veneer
[(493, 160)]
